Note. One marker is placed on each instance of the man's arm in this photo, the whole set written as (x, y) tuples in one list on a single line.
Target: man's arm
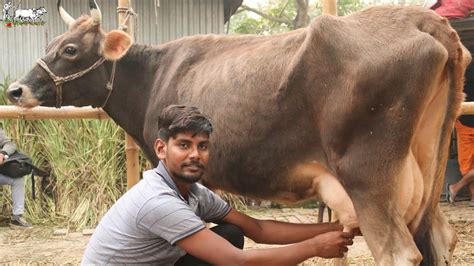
[(275, 232), (215, 250)]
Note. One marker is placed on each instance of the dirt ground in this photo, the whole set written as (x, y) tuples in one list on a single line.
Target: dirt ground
[(40, 245)]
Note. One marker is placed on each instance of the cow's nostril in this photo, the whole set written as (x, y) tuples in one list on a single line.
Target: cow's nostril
[(15, 92)]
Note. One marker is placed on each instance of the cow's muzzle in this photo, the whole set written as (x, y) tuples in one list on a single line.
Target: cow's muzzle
[(15, 91), (21, 95)]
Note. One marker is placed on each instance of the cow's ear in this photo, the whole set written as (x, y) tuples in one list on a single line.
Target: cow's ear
[(116, 45)]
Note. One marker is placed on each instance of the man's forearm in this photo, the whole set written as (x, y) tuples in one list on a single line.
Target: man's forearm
[(275, 232), (289, 255)]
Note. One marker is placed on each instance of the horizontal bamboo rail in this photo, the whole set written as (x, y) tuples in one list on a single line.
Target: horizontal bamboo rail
[(467, 108), (13, 112)]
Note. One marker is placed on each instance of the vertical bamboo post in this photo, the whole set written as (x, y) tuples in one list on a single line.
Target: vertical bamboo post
[(330, 7), (131, 148)]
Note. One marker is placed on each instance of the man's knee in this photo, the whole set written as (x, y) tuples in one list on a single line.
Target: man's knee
[(231, 233), (6, 180), (20, 181)]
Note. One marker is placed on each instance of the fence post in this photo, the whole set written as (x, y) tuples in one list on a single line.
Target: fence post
[(131, 148), (330, 7)]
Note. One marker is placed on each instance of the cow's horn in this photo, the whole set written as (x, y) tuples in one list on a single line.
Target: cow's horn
[(95, 12), (64, 15)]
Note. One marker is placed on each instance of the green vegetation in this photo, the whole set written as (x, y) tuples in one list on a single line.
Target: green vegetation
[(87, 161), (278, 11), (10, 23)]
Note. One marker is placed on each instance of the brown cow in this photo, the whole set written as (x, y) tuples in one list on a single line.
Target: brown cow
[(355, 110)]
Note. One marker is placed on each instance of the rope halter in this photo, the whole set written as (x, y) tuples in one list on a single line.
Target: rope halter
[(59, 81)]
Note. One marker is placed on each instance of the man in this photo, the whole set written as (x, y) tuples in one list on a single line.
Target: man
[(160, 220), (458, 9), (7, 148), (465, 140)]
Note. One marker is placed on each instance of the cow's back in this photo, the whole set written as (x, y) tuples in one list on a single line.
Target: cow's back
[(279, 100)]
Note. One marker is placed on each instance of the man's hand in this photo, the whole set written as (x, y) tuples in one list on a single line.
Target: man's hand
[(335, 226), (333, 244), (2, 157)]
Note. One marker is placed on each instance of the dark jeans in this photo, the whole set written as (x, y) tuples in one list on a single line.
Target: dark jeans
[(230, 232)]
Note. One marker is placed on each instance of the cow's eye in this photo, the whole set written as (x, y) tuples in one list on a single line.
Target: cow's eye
[(70, 50)]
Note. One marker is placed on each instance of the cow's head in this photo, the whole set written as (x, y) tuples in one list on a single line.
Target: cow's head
[(75, 70)]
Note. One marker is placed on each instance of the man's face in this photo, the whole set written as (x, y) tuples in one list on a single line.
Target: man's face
[(184, 156)]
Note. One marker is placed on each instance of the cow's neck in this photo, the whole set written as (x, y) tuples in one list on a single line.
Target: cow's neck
[(131, 91)]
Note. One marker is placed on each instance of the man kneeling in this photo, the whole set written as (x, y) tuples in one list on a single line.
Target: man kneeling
[(160, 220)]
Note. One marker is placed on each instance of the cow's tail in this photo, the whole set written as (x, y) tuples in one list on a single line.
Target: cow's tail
[(455, 68)]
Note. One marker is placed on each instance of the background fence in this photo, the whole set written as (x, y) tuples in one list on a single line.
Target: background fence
[(170, 20)]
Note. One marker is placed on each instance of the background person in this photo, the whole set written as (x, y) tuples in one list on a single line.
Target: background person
[(7, 148), (161, 219), (465, 141), (453, 9), (458, 9)]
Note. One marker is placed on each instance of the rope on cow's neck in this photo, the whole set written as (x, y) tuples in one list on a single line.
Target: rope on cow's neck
[(129, 11), (110, 84)]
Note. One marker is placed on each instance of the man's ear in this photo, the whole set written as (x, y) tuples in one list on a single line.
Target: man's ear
[(116, 45), (160, 149)]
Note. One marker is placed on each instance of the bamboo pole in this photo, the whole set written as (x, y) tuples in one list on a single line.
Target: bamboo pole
[(131, 148), (14, 112), (68, 112), (330, 7), (467, 108)]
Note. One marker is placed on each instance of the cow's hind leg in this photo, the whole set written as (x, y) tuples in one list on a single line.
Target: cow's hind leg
[(440, 238), (385, 232), (373, 190)]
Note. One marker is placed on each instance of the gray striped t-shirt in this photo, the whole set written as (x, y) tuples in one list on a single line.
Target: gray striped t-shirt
[(145, 223)]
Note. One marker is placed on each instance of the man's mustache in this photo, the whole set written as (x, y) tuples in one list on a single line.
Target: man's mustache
[(195, 164)]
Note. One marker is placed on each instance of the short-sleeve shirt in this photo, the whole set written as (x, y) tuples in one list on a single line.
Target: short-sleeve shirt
[(144, 225)]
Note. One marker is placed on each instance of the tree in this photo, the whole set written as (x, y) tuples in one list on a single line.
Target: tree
[(283, 15), (299, 20), (275, 16)]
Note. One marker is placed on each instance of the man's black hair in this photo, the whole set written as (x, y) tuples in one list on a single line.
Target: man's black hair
[(176, 119)]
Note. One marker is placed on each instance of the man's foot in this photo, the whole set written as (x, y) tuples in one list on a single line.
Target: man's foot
[(449, 194), (20, 221)]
